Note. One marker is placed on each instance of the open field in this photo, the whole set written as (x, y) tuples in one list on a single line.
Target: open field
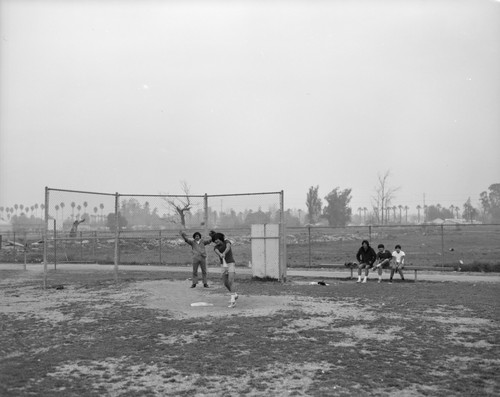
[(89, 336)]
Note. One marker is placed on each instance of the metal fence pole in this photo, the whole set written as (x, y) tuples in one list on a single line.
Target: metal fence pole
[(442, 245), (283, 261), (117, 234), (309, 243), (55, 244), (159, 245), (94, 242), (205, 213), (45, 237), (81, 246), (25, 251)]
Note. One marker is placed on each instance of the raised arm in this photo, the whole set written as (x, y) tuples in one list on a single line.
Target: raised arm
[(184, 236)]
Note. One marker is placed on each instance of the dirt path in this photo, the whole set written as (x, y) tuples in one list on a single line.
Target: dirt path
[(312, 273)]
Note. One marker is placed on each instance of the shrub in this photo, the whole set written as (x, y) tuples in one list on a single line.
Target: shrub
[(477, 266)]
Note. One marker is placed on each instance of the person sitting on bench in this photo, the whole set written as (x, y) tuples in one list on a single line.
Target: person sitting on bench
[(398, 264)]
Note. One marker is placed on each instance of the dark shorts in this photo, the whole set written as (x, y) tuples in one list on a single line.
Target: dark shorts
[(365, 266)]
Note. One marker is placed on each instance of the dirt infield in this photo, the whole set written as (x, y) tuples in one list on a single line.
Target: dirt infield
[(87, 335)]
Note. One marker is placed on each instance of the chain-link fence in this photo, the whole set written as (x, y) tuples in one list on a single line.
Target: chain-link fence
[(81, 227), (145, 229), (427, 245)]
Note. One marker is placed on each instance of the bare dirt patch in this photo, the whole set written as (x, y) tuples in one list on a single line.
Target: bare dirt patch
[(91, 336)]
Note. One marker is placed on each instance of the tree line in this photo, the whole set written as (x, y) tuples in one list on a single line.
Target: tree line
[(334, 211), (337, 212)]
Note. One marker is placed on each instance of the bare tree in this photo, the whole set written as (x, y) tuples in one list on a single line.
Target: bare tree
[(384, 194), (181, 205)]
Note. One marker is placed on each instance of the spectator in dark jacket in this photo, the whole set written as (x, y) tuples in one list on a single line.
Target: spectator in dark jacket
[(366, 257)]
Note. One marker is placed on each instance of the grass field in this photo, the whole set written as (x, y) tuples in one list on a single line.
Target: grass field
[(89, 336)]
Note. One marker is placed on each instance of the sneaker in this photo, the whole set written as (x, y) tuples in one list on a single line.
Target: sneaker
[(364, 280), (359, 280), (232, 303), (390, 281), (379, 281), (205, 285), (193, 285)]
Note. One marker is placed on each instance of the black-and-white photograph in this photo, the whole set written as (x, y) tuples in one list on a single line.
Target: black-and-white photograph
[(249, 198)]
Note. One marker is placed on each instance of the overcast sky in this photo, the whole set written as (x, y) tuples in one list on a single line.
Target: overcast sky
[(250, 96)]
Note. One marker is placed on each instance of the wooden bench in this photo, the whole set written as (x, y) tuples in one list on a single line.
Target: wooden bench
[(406, 268), (416, 269)]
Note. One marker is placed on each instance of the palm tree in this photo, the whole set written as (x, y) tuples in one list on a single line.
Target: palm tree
[(16, 207), (438, 206), (62, 211), (73, 204), (79, 208), (400, 209), (406, 208), (42, 208), (21, 207), (95, 212), (1, 210), (452, 208), (36, 209), (85, 205), (57, 210)]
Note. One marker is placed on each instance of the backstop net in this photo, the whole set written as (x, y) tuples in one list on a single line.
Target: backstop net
[(125, 229)]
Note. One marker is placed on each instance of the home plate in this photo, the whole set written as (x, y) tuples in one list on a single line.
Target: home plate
[(201, 304)]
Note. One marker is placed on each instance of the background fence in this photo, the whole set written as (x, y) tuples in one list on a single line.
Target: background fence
[(306, 246), (427, 245), (150, 224)]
